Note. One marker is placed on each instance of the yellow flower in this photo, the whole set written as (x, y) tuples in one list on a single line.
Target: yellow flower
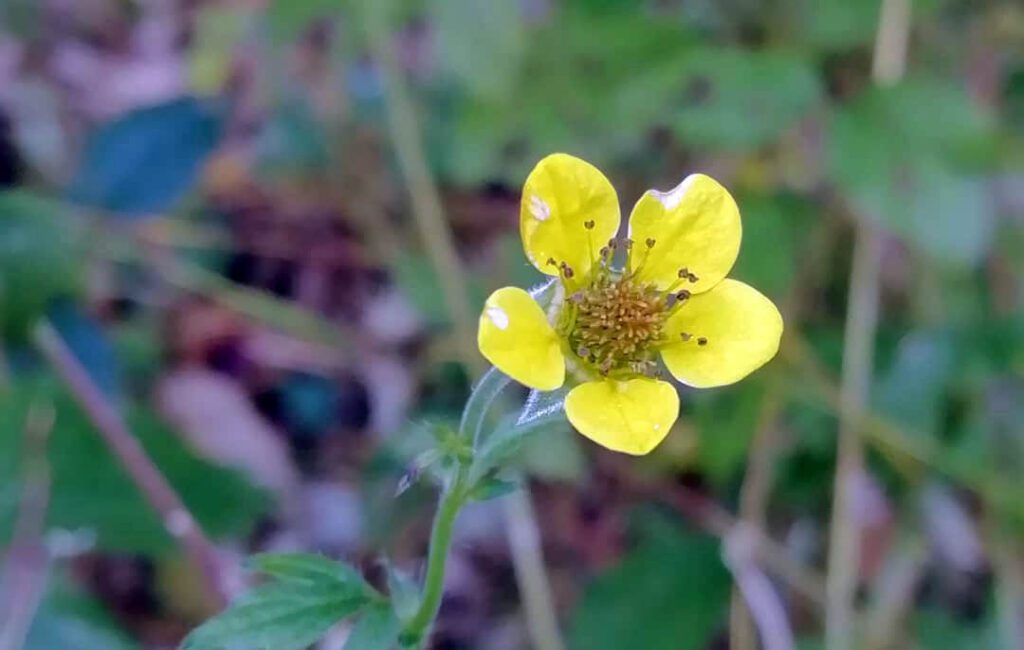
[(608, 323)]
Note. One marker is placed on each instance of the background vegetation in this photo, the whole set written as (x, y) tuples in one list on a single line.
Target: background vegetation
[(227, 212)]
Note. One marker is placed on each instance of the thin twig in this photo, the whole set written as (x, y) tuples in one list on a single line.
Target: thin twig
[(147, 477), (760, 596), (754, 495), (909, 450), (27, 564), (893, 595), (527, 556), (1006, 557), (858, 355)]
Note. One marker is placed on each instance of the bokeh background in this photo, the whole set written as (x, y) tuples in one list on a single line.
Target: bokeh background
[(229, 213)]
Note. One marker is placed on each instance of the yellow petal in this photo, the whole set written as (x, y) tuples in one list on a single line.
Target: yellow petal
[(740, 329), (695, 226), (561, 195), (629, 416), (515, 336)]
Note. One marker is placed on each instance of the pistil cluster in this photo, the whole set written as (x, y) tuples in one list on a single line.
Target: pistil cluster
[(615, 323)]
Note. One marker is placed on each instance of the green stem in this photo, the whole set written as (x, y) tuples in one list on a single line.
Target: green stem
[(428, 213), (474, 415), (452, 500)]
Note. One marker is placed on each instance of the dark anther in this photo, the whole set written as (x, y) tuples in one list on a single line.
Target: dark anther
[(612, 243), (552, 262), (702, 341), (692, 278), (566, 270), (629, 244), (684, 273), (682, 295), (686, 336), (650, 242), (589, 225)]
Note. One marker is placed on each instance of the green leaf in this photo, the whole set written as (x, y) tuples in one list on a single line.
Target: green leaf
[(293, 143), (143, 163), (775, 230), (314, 571), (71, 620), (671, 593), (900, 155), (377, 629), (40, 258), (286, 616), (90, 344), (938, 630), (912, 391), (309, 594), (727, 421), (722, 87), (481, 44), (832, 25), (417, 280), (287, 18), (91, 491)]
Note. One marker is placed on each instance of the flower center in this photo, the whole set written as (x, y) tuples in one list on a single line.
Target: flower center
[(614, 322), (618, 324)]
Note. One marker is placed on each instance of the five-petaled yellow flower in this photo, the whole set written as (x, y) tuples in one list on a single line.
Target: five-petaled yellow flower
[(608, 323)]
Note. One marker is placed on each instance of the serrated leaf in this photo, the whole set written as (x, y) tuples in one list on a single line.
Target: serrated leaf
[(377, 629), (310, 571), (141, 164), (285, 616)]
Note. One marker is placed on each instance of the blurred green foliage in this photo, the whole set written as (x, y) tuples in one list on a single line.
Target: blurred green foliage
[(91, 493), (775, 97)]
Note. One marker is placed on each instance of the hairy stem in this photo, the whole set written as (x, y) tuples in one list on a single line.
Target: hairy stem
[(452, 500), (428, 213)]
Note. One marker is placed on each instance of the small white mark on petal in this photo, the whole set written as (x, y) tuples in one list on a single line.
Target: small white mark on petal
[(498, 317), (674, 197), (540, 210), (657, 427)]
